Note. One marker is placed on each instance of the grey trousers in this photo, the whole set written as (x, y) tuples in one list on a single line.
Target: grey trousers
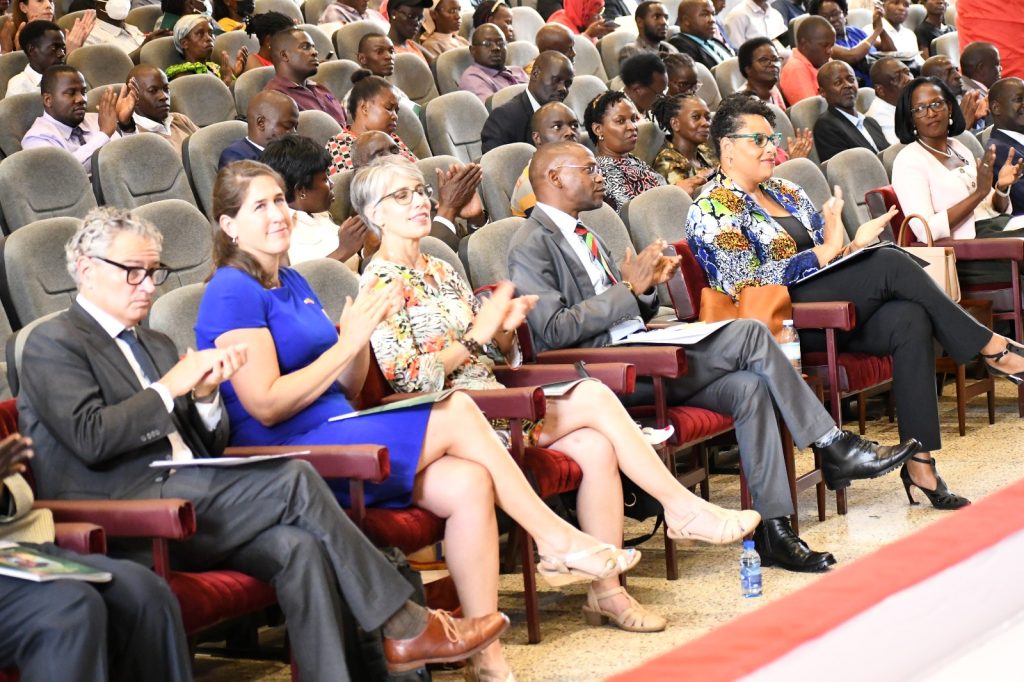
[(279, 522), (741, 371), (62, 630)]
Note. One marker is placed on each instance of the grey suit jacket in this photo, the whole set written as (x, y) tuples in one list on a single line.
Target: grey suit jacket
[(94, 429), (568, 312)]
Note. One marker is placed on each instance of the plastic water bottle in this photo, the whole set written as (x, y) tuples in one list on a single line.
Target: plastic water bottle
[(789, 340), (750, 570)]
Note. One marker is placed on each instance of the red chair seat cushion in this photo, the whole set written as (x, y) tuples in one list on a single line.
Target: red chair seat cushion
[(213, 597), (695, 424), (551, 472), (857, 371), (407, 529)]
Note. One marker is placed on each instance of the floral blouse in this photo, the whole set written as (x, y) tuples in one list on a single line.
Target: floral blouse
[(739, 245), (625, 177), (434, 317), (673, 166), (340, 149)]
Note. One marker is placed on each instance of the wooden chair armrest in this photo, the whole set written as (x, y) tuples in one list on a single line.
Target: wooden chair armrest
[(650, 361), (619, 377), (171, 519)]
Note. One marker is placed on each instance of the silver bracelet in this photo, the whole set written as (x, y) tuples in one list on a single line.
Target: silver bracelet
[(1002, 193)]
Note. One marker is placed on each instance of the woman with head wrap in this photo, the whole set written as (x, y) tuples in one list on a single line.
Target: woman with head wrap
[(193, 39), (584, 16)]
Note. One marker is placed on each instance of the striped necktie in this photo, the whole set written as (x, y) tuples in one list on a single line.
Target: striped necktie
[(591, 243)]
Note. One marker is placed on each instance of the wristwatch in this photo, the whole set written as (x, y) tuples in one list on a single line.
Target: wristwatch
[(629, 285)]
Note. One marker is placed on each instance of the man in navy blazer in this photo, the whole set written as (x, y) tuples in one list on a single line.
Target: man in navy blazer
[(696, 37), (270, 114), (1006, 105), (842, 127), (550, 79)]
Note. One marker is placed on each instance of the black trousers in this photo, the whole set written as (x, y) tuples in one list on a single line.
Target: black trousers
[(900, 310), (64, 629)]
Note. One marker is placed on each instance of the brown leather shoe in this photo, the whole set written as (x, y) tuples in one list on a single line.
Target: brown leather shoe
[(444, 640)]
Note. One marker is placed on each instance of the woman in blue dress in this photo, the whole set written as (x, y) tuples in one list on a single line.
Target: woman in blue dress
[(445, 457)]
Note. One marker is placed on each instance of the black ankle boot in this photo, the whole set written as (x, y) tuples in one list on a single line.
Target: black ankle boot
[(850, 457), (778, 545)]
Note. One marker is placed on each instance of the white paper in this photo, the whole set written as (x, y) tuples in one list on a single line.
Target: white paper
[(221, 461), (676, 335)]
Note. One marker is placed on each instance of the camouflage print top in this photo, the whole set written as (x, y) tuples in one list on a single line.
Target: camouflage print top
[(739, 245)]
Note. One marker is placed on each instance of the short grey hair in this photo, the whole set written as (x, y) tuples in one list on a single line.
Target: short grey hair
[(371, 182), (99, 228)]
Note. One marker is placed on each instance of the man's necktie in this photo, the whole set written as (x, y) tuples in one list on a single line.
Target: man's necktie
[(149, 369), (595, 253), (78, 135)]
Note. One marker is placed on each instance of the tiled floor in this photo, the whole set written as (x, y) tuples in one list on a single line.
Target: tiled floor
[(707, 594)]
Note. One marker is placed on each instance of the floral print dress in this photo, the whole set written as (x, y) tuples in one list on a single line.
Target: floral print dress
[(739, 245), (340, 149), (625, 177), (434, 317)]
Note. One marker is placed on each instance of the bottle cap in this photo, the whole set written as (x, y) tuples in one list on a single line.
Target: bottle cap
[(748, 544)]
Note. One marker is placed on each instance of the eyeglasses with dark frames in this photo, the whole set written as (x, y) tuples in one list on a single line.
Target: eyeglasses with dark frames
[(936, 106), (135, 275)]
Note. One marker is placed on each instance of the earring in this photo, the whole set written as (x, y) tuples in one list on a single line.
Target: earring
[(302, 195), (950, 120), (234, 240), (600, 138)]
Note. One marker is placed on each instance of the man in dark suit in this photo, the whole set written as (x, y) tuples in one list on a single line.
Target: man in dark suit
[(1006, 104), (270, 114), (696, 37), (550, 80), (102, 397), (585, 299), (842, 127)]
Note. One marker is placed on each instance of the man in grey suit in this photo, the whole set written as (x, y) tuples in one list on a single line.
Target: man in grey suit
[(102, 397), (585, 299)]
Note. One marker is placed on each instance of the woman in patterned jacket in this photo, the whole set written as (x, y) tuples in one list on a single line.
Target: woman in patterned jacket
[(444, 337), (748, 228)]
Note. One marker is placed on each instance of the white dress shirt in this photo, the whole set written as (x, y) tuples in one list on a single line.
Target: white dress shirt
[(210, 412), (857, 119), (748, 20), (128, 38), (598, 277), (885, 116), (25, 82), (904, 39)]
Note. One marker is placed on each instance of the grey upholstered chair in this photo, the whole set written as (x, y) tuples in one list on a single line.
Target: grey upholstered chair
[(138, 169), (502, 167), (11, 64), (413, 77), (346, 38), (247, 85), (318, 125), (34, 259), (101, 64), (454, 122), (808, 175), (18, 113), (200, 155), (203, 98), (336, 76), (332, 281), (188, 240), (174, 313), (487, 251), (411, 132), (31, 176), (449, 67), (160, 53), (855, 171)]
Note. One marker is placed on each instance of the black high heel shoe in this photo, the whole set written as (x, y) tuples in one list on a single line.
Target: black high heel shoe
[(942, 497), (1011, 347)]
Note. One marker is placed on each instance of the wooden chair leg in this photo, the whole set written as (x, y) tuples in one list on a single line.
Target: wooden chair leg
[(991, 400), (862, 413), (819, 489), (508, 562), (788, 457), (961, 399), (841, 501), (746, 501), (671, 558), (530, 590), (702, 462)]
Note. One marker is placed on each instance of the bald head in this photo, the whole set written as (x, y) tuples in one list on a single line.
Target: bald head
[(554, 122), (154, 100), (564, 175), (371, 145), (270, 115), (941, 67), (551, 77), (1006, 103), (557, 38), (696, 17)]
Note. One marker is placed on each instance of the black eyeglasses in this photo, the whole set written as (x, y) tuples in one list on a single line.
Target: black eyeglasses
[(936, 106), (403, 197), (136, 275)]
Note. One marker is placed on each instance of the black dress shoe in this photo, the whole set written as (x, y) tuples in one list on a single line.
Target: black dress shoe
[(778, 545), (850, 457)]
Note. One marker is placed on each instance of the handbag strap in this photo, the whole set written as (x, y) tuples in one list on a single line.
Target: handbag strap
[(906, 223)]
